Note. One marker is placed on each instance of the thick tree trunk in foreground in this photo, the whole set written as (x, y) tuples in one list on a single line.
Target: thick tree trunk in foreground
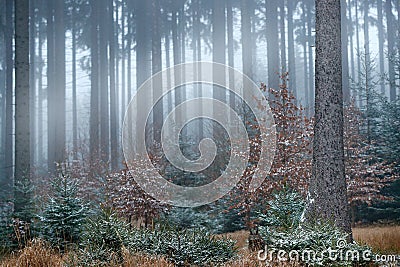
[(22, 114), (327, 191)]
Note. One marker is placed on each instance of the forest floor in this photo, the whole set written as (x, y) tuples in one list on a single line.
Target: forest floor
[(382, 239)]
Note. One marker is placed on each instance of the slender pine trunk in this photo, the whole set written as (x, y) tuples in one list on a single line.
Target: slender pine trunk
[(41, 97), (8, 161), (350, 21), (32, 79), (305, 62), (231, 58), (272, 43), (156, 67), (113, 91), (123, 59), (291, 49), (391, 50), (381, 40), (74, 95), (311, 77), (345, 53), (104, 90), (282, 27), (358, 50), (94, 84)]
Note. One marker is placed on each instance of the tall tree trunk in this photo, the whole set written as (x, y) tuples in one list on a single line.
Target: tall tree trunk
[(291, 49), (3, 107), (56, 84), (41, 96), (282, 28), (8, 161), (305, 61), (177, 59), (22, 111), (199, 86), (310, 5), (156, 67), (94, 83), (123, 59), (393, 93), (104, 94), (391, 49), (112, 31), (118, 104), (74, 98), (32, 79), (345, 53), (397, 4), (247, 52), (129, 57), (381, 40), (350, 21), (358, 50), (218, 38), (272, 43), (327, 190), (366, 28), (168, 65), (195, 36), (231, 58), (183, 56), (247, 59), (50, 86), (59, 105), (253, 22), (143, 38)]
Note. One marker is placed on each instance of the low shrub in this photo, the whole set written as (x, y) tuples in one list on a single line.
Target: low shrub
[(317, 243), (106, 237), (103, 240), (183, 247)]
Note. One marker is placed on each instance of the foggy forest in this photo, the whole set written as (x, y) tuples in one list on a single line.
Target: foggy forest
[(199, 132)]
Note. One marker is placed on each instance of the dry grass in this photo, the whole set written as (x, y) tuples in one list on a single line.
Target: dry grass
[(384, 239), (137, 260), (37, 254)]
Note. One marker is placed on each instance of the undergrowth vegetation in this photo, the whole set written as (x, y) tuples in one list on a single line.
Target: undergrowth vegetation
[(107, 237), (67, 235)]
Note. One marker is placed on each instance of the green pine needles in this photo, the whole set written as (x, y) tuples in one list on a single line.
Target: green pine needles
[(64, 214)]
